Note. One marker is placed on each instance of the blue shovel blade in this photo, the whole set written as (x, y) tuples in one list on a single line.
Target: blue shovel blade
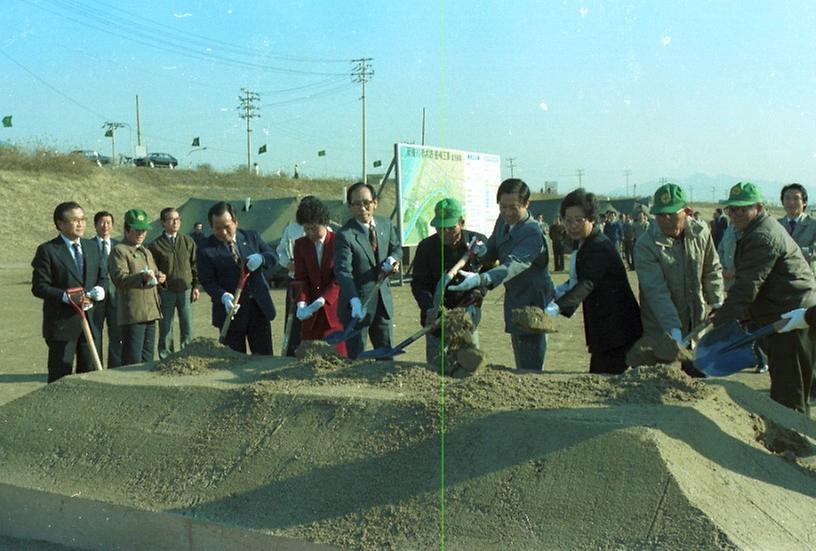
[(712, 358), (339, 336)]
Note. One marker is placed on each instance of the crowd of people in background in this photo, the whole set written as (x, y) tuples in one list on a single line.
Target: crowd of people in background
[(743, 266)]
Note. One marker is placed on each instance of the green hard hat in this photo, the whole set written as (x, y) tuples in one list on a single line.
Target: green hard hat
[(743, 194), (668, 199), (136, 219), (447, 213)]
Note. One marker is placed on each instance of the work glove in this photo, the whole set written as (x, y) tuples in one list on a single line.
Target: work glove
[(478, 247), (472, 280), (676, 335), (254, 261), (357, 308), (97, 294), (228, 300), (797, 320), (552, 310), (303, 311), (317, 304), (389, 265), (149, 278), (562, 289)]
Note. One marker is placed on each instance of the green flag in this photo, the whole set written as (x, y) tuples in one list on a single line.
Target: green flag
[(7, 122), (196, 142), (321, 153), (377, 164), (262, 149), (109, 133)]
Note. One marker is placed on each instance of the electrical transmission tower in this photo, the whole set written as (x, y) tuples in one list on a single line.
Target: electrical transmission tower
[(248, 109), (361, 73)]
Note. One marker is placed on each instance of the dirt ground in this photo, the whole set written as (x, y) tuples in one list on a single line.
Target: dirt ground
[(355, 454)]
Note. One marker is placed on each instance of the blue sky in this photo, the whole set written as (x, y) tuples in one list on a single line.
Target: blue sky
[(664, 89)]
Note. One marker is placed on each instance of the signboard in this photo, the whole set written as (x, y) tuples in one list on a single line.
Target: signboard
[(425, 175)]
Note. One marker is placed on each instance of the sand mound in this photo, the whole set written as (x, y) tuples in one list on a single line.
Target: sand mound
[(352, 456), (201, 355), (532, 319)]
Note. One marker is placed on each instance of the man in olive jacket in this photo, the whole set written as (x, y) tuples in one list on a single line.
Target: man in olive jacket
[(772, 277), (678, 269)]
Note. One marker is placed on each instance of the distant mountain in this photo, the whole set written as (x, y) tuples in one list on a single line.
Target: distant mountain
[(705, 188)]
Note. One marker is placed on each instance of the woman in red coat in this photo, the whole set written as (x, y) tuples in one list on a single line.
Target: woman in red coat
[(314, 274)]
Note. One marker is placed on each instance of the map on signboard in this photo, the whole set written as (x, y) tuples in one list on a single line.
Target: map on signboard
[(426, 175)]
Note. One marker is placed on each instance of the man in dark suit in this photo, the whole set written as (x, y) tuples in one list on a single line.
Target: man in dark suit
[(65, 262), (365, 247), (105, 311), (219, 263)]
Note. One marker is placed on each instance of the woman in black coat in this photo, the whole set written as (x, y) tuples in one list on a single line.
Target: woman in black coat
[(598, 281)]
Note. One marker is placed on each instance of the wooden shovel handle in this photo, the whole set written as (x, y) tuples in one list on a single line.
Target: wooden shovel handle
[(86, 328)]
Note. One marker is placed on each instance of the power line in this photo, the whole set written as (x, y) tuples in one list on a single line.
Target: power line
[(361, 73)]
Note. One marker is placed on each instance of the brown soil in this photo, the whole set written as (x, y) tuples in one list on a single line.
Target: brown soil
[(657, 349), (319, 355), (201, 355), (533, 319)]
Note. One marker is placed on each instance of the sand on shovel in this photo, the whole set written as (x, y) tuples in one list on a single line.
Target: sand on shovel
[(320, 355), (657, 349), (462, 357), (532, 319)]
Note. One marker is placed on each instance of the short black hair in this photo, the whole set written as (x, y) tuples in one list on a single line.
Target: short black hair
[(219, 209), (62, 209), (581, 198), (514, 185), (796, 187), (311, 210), (354, 187), (718, 211), (167, 210), (102, 214)]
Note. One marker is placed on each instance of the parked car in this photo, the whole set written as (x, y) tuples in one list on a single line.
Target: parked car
[(154, 160), (92, 156)]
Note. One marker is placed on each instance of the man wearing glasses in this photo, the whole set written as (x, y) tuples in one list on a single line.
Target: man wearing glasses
[(678, 270), (772, 277), (366, 249)]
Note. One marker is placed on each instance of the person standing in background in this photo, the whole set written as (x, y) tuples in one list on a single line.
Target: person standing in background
[(798, 223), (286, 257), (105, 311), (557, 236)]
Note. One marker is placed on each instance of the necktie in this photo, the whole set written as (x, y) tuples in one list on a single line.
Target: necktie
[(791, 226), (234, 252), (78, 260), (173, 241), (372, 237), (103, 248), (507, 229)]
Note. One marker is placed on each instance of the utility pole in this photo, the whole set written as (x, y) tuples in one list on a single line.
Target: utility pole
[(580, 173), (423, 126), (691, 193), (248, 110), (138, 124), (511, 164), (663, 180), (626, 174), (361, 73), (110, 131), (713, 194)]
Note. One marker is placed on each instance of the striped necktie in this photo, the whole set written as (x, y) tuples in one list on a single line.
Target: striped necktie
[(372, 237), (78, 260), (234, 252)]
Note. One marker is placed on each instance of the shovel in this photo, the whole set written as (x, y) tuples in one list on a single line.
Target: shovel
[(450, 274), (728, 348), (340, 336), (75, 296), (231, 314), (377, 353), (294, 289)]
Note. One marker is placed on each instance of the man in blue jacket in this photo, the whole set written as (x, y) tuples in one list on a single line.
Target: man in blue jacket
[(219, 262)]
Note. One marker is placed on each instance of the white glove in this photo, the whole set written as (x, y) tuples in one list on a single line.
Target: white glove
[(389, 264), (317, 304), (97, 294), (152, 281), (562, 289), (478, 247), (228, 300), (676, 335), (254, 261), (303, 311), (471, 281), (552, 310), (357, 308), (716, 306), (797, 320), (65, 298)]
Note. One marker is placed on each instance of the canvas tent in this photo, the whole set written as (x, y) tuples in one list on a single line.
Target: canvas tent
[(550, 208)]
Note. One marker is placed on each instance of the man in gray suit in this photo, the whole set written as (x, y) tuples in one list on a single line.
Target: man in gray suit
[(799, 224), (364, 248), (105, 311), (519, 246)]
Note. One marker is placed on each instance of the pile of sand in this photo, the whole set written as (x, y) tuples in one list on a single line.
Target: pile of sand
[(461, 355), (201, 355), (532, 319)]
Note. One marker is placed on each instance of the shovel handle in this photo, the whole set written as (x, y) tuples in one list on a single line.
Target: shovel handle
[(238, 291), (450, 274), (75, 296)]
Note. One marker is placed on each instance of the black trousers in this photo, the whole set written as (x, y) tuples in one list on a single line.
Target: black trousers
[(250, 326), (294, 336), (790, 364), (558, 259), (61, 357), (379, 331), (611, 361)]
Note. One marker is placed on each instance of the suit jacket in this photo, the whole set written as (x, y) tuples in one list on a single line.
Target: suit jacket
[(804, 233), (523, 258), (135, 301), (317, 281), (356, 267), (110, 288), (179, 262), (218, 273), (54, 272), (611, 313)]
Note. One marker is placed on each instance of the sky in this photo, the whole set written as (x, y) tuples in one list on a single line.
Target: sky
[(719, 90)]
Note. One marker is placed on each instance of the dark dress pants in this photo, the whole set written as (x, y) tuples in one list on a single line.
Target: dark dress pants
[(379, 331), (138, 342), (294, 336), (611, 361), (790, 364), (250, 326), (100, 315), (61, 357)]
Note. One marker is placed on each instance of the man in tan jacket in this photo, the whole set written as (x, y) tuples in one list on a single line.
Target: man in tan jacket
[(132, 269), (678, 269)]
